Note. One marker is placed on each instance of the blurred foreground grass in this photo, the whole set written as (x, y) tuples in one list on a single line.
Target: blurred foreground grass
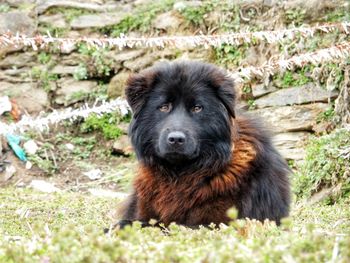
[(68, 227)]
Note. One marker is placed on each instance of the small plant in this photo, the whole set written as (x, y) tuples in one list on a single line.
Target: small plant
[(81, 72), (140, 20), (4, 8), (44, 78), (228, 55), (327, 115), (107, 124), (44, 58), (295, 16), (98, 65)]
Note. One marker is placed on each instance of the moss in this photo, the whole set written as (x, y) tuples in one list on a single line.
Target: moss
[(326, 165)]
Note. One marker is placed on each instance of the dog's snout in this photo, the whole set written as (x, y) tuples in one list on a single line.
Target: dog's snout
[(176, 138)]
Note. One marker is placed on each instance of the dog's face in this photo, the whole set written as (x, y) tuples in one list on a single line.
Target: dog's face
[(182, 114)]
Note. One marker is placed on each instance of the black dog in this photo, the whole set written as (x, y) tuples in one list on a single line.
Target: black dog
[(197, 158)]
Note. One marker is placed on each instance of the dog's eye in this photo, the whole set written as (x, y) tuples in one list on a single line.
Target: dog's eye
[(197, 109), (165, 107)]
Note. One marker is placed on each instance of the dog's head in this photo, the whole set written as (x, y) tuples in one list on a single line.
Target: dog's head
[(182, 113)]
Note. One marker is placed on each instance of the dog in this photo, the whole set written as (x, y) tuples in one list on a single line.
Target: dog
[(197, 156)]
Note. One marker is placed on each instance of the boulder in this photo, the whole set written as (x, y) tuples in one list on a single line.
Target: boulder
[(91, 5), (296, 95), (26, 95), (17, 22), (97, 20), (141, 62), (64, 70), (56, 20), (117, 85), (259, 90), (119, 57), (122, 146), (291, 118), (71, 91), (167, 21), (291, 144), (18, 60)]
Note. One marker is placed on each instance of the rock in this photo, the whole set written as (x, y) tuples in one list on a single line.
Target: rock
[(117, 85), (260, 90), (290, 144), (121, 56), (18, 60), (122, 146), (17, 22), (26, 95), (167, 21), (179, 6), (43, 186), (107, 193), (18, 3), (72, 91), (56, 20), (91, 5), (141, 62), (296, 95), (97, 21), (291, 118), (64, 70)]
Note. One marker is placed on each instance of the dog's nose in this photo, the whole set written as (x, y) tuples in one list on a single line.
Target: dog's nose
[(176, 138)]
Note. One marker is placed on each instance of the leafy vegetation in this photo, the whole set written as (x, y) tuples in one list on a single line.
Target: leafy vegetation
[(98, 63), (327, 165), (140, 20), (44, 77), (107, 124)]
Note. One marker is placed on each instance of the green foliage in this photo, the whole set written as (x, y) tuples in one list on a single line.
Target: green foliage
[(327, 165), (43, 77), (195, 14), (99, 63), (140, 20), (4, 8), (44, 159), (107, 124), (295, 16), (44, 58), (338, 15), (327, 115), (228, 55), (299, 77), (81, 72)]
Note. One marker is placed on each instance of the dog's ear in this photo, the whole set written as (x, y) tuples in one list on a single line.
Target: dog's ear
[(138, 87), (225, 90)]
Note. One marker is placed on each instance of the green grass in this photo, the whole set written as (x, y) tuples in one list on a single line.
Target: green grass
[(327, 165), (67, 227)]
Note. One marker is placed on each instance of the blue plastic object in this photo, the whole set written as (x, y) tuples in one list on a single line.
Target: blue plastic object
[(14, 141)]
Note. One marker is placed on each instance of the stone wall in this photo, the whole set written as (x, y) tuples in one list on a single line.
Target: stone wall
[(46, 79)]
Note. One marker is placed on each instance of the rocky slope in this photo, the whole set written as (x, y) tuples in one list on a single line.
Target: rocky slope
[(295, 104)]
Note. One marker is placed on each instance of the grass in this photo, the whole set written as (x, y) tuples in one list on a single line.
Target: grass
[(326, 166), (67, 227)]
